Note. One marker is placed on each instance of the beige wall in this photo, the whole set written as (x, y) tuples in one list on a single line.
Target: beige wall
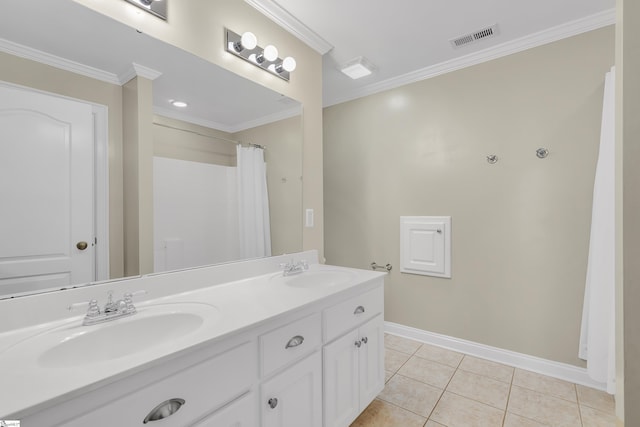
[(198, 26), (137, 107), (53, 80), (520, 227), (284, 179), (628, 132), (180, 140)]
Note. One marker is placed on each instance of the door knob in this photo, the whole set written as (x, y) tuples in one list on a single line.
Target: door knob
[(82, 245)]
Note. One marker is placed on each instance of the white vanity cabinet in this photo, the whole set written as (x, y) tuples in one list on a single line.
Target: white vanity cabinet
[(181, 396), (294, 397), (314, 364), (354, 363), (240, 413)]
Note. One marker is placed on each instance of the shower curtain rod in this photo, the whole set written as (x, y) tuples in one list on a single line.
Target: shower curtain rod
[(212, 137)]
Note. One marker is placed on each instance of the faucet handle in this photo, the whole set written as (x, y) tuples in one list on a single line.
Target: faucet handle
[(128, 300), (93, 309)]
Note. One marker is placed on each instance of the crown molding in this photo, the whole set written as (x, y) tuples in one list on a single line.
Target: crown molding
[(57, 62), (166, 112), (553, 34), (277, 14), (137, 70), (271, 118), (172, 114)]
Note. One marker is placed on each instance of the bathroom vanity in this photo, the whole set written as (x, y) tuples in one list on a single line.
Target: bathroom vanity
[(238, 344)]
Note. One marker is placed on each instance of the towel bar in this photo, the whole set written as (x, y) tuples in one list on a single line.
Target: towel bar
[(375, 266)]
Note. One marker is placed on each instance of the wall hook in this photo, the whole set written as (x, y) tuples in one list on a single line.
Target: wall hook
[(542, 153), (492, 159)]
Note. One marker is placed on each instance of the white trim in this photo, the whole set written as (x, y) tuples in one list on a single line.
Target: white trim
[(569, 29), (101, 140), (57, 62), (550, 368), (277, 14), (167, 112), (138, 70)]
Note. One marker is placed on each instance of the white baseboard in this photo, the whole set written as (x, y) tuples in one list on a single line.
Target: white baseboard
[(550, 368)]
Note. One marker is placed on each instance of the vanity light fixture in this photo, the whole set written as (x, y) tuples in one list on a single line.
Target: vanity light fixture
[(246, 47), (358, 67), (154, 7)]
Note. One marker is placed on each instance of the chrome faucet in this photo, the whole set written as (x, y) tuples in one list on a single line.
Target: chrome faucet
[(290, 268), (112, 309)]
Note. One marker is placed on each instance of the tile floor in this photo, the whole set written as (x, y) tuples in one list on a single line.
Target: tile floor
[(433, 387)]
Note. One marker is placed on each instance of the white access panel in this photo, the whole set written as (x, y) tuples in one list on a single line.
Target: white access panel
[(425, 245)]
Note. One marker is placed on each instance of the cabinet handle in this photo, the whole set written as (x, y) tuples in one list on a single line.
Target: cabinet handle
[(164, 410), (359, 310), (273, 402), (364, 340), (295, 341), (358, 344)]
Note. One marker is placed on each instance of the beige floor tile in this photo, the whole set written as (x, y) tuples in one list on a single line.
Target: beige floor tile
[(457, 411), (411, 395), (440, 355), (545, 384), (401, 344), (388, 375), (513, 420), (427, 371), (596, 399), (477, 387), (543, 408), (490, 369), (393, 360), (383, 414), (595, 418), (432, 423)]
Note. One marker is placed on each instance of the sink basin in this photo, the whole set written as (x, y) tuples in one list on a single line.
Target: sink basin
[(319, 278), (153, 325)]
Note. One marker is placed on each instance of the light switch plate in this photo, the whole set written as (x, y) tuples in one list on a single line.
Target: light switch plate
[(308, 218)]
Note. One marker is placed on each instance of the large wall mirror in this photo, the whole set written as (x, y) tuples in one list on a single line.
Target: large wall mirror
[(60, 49)]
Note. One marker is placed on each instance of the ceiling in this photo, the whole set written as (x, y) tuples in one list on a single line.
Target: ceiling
[(409, 40), (88, 43)]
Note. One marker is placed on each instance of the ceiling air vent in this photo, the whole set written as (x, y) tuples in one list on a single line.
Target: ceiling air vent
[(475, 36)]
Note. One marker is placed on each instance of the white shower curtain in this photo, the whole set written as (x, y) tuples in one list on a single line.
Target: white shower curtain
[(597, 335), (253, 203)]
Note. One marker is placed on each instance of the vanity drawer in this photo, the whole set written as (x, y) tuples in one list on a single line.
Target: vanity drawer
[(289, 342), (348, 314), (203, 388)]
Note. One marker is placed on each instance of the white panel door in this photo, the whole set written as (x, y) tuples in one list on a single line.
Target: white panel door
[(371, 357), (341, 385), (294, 397), (425, 245), (46, 189)]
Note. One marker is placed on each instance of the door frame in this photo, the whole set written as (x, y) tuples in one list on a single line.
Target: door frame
[(101, 177)]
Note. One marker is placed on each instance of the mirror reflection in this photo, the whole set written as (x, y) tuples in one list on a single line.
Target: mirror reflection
[(75, 151)]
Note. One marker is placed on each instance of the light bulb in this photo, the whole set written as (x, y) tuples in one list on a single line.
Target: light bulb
[(289, 63), (248, 40), (270, 53)]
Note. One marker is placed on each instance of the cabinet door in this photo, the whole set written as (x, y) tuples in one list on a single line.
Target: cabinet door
[(341, 402), (371, 360), (240, 413), (293, 398)]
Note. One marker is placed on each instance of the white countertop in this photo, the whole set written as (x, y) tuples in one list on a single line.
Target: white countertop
[(239, 304)]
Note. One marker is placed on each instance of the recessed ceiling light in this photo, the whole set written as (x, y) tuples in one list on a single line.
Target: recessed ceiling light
[(358, 67), (179, 104)]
